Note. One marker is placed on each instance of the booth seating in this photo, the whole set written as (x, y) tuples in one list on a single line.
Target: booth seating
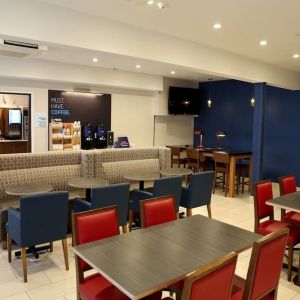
[(57, 168)]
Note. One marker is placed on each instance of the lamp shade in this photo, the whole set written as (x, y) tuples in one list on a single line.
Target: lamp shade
[(220, 133)]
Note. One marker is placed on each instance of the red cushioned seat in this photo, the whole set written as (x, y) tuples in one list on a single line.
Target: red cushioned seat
[(264, 268), (263, 193), (158, 210), (202, 283), (287, 185)]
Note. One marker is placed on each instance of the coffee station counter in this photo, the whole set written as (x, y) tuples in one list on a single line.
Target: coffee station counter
[(13, 146)]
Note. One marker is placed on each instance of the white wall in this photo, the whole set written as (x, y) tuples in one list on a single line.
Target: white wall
[(173, 130), (132, 116)]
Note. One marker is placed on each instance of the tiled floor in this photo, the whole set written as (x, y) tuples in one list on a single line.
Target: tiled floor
[(47, 279)]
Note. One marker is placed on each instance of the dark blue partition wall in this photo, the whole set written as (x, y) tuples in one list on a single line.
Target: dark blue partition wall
[(230, 112), (281, 155)]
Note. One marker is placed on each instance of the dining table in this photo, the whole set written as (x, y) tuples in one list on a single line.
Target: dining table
[(234, 156), (144, 261), (141, 177), (290, 202)]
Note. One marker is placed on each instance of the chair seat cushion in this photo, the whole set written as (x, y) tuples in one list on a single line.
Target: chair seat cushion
[(292, 218), (96, 287), (270, 226)]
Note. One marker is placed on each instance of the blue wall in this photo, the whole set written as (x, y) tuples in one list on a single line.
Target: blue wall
[(281, 155), (230, 112)]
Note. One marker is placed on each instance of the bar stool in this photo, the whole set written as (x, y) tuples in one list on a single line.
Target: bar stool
[(176, 157)]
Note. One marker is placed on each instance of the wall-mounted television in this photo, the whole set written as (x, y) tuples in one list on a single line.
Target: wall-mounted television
[(14, 116), (183, 101)]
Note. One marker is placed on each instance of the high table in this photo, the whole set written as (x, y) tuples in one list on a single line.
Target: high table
[(26, 190), (141, 176), (290, 202), (145, 261), (88, 183), (234, 156)]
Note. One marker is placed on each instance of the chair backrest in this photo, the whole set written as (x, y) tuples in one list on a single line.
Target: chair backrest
[(200, 188), (212, 281), (175, 151), (287, 184), (94, 225), (265, 265), (114, 194), (168, 186), (221, 157), (43, 217), (193, 154), (157, 211), (262, 193)]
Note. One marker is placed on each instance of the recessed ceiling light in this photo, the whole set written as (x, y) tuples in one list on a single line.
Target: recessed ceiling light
[(296, 55), (172, 72), (95, 59), (160, 5), (138, 66), (263, 43), (150, 2), (217, 26)]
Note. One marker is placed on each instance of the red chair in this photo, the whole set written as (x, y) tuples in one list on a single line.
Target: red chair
[(89, 226), (158, 210), (263, 192), (264, 269), (212, 281), (287, 185)]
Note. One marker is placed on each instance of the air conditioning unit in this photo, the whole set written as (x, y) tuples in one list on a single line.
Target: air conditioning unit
[(16, 49)]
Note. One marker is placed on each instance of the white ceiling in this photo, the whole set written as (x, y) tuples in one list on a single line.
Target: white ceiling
[(244, 22)]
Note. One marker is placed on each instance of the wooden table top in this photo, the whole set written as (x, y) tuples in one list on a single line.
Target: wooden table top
[(29, 189), (289, 201), (176, 171), (146, 260), (141, 175), (88, 182)]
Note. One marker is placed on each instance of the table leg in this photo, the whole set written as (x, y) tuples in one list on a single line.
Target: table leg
[(232, 176), (88, 195), (250, 174), (141, 185)]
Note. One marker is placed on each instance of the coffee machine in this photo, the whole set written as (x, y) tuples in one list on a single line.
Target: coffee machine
[(100, 137), (87, 138)]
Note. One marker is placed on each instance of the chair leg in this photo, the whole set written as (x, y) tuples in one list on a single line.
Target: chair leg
[(290, 262), (209, 210), (124, 228), (130, 219), (51, 246), (65, 249), (8, 241), (189, 212), (24, 263)]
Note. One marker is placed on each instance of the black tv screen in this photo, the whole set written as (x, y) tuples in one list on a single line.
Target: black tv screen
[(183, 101)]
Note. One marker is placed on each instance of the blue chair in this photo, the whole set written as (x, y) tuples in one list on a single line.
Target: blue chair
[(41, 219), (161, 187), (115, 194), (198, 192)]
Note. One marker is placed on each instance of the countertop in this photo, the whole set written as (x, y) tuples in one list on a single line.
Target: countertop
[(13, 141)]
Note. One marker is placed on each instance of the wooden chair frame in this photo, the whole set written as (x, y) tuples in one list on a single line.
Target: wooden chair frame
[(79, 272), (253, 263), (205, 270), (176, 151)]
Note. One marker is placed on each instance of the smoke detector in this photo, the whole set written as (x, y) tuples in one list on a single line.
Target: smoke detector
[(16, 49)]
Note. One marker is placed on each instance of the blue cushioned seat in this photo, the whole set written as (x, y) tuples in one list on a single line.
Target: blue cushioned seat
[(198, 192), (41, 219), (115, 194)]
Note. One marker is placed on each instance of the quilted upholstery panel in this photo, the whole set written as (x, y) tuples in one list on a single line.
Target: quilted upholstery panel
[(113, 155), (58, 176), (87, 163), (37, 160), (114, 171)]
